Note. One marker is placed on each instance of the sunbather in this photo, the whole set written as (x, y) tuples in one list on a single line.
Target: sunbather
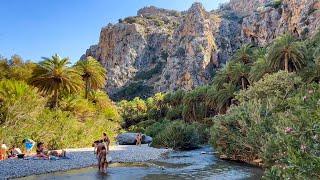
[(14, 152), (29, 144), (58, 153), (3, 151), (40, 151)]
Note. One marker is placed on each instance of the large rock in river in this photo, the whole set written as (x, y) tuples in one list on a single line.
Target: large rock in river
[(130, 139)]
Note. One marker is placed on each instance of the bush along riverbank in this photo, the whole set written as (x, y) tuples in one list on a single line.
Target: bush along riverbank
[(261, 108), (276, 127)]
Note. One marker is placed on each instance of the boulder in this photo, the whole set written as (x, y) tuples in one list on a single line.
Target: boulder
[(130, 139)]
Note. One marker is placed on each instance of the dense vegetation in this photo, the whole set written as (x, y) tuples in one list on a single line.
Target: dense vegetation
[(262, 107), (55, 103)]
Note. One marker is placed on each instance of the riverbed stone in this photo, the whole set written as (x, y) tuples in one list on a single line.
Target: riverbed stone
[(130, 139)]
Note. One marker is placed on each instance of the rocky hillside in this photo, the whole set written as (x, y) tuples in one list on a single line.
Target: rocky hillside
[(162, 50)]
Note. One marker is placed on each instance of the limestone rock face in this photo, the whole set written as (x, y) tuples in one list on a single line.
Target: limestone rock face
[(299, 17), (163, 50)]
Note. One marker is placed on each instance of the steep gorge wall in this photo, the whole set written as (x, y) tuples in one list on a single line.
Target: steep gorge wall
[(162, 50)]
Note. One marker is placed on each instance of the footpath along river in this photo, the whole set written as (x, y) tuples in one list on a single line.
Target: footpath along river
[(176, 165)]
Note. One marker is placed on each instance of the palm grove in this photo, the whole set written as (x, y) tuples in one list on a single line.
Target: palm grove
[(54, 102), (262, 107)]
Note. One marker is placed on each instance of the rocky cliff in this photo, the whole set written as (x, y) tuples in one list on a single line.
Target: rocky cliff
[(162, 50)]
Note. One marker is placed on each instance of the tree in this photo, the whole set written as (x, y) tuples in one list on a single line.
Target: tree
[(18, 102), (260, 66), (224, 97), (244, 54), (53, 76), (194, 105), (93, 74), (286, 53), (240, 74), (222, 76), (312, 72)]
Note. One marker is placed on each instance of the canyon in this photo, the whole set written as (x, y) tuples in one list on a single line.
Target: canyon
[(161, 50)]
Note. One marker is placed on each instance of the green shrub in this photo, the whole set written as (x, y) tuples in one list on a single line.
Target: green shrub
[(135, 89), (156, 128), (174, 113), (177, 135), (278, 124), (203, 131), (275, 4), (293, 151), (277, 85), (146, 75), (141, 126), (133, 111)]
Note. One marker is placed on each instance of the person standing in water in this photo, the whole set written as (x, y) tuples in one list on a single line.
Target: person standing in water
[(102, 152), (106, 140), (138, 139)]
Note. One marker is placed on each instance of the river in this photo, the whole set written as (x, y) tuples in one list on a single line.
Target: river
[(195, 164)]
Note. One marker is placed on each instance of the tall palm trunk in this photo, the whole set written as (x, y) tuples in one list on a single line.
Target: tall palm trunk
[(243, 83), (87, 88), (55, 98), (286, 62), (194, 112)]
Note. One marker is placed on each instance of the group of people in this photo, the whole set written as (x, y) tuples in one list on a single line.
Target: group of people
[(101, 150), (29, 144)]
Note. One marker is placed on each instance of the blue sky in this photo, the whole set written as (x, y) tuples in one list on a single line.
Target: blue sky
[(40, 28)]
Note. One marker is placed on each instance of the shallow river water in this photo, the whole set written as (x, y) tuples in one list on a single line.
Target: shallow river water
[(177, 165)]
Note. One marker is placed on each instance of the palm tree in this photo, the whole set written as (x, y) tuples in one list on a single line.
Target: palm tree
[(312, 72), (240, 74), (53, 76), (287, 53), (260, 67), (224, 97), (223, 75), (93, 74), (244, 54)]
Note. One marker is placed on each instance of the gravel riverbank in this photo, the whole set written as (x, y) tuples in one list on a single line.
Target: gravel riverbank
[(78, 158)]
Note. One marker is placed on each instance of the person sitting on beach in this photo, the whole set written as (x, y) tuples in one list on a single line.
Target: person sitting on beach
[(29, 144), (40, 151), (58, 153), (3, 151), (14, 152), (138, 139)]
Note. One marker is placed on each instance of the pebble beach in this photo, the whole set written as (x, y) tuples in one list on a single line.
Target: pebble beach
[(77, 158)]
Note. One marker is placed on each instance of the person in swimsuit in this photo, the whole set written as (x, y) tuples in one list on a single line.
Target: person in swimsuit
[(102, 159), (40, 151), (138, 139), (29, 144), (106, 140)]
